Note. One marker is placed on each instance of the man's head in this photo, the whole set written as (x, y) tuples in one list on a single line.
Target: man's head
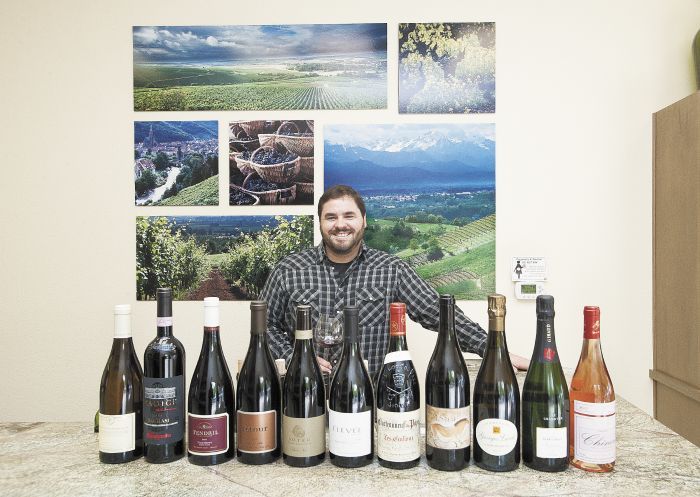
[(341, 214)]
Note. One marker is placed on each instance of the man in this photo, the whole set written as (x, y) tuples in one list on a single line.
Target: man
[(342, 271)]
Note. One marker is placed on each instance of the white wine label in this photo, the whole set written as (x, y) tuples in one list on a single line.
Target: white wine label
[(594, 438), (117, 433), (447, 428), (594, 408), (496, 436), (208, 434), (303, 334), (304, 437), (551, 443), (401, 355), (398, 435), (350, 434)]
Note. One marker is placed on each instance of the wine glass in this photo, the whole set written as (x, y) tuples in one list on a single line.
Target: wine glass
[(328, 332)]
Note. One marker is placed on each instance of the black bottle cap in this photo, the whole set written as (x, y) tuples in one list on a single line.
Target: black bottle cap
[(447, 299), (545, 305), (350, 318), (164, 297), (303, 317), (258, 317)]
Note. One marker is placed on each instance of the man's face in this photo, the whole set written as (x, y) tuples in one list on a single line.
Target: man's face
[(342, 227)]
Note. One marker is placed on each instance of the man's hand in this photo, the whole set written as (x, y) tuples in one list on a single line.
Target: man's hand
[(519, 363), (324, 365)]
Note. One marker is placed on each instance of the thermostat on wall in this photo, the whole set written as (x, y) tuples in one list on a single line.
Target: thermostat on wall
[(528, 290)]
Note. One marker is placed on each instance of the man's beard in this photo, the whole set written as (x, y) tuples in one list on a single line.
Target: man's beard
[(342, 250)]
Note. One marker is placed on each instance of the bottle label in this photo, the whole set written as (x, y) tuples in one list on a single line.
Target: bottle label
[(350, 434), (594, 432), (303, 334), (551, 443), (447, 428), (163, 410), (398, 435), (496, 436), (117, 433), (304, 437), (207, 434), (257, 431), (401, 355), (162, 322)]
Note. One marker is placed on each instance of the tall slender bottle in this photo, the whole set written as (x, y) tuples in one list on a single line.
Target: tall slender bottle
[(259, 396), (303, 400), (164, 388), (351, 403), (121, 396), (545, 399), (496, 399), (211, 401), (398, 399), (592, 434), (447, 428)]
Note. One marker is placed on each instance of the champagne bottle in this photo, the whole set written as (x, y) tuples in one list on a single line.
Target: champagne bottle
[(258, 396), (164, 388), (303, 400), (545, 399), (398, 399), (496, 399), (351, 403), (447, 429), (592, 432), (211, 400), (121, 402)]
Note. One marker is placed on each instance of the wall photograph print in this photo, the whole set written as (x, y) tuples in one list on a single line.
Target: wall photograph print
[(271, 162), (447, 68), (430, 195), (275, 67), (176, 162), (228, 257)]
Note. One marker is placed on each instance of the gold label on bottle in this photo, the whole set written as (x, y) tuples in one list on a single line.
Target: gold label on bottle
[(447, 428), (304, 437), (257, 431)]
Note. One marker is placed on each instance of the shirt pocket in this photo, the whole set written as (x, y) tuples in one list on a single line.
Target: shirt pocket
[(372, 306), (302, 296)]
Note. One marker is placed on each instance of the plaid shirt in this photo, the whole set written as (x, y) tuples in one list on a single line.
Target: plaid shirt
[(373, 280)]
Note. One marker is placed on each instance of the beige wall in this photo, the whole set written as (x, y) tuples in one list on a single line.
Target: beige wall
[(576, 85)]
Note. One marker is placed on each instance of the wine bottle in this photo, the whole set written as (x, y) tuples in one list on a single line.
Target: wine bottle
[(351, 403), (211, 400), (258, 396), (121, 396), (545, 399), (398, 399), (496, 399), (164, 388), (447, 429), (303, 400), (592, 432)]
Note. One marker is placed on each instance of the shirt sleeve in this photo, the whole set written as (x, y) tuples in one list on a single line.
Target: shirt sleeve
[(422, 306), (280, 336)]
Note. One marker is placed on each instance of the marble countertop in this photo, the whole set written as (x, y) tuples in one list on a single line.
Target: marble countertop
[(60, 459)]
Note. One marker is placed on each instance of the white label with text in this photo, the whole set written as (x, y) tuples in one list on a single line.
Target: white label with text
[(117, 433), (496, 436), (350, 434), (594, 432), (398, 435), (551, 443)]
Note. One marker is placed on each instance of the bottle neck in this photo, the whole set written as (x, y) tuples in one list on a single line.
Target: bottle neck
[(164, 331), (591, 350), (121, 345), (496, 337), (545, 343), (212, 338), (446, 329), (397, 343)]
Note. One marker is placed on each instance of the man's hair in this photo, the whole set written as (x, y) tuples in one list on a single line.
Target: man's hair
[(340, 191)]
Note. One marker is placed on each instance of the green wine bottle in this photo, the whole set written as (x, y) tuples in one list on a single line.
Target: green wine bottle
[(545, 399)]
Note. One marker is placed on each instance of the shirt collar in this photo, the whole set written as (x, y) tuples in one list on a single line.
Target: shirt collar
[(321, 252)]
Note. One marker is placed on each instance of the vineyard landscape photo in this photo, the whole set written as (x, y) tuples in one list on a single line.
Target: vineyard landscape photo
[(228, 257), (266, 67), (430, 194)]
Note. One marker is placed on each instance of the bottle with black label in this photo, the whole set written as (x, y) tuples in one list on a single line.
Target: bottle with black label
[(164, 388), (351, 403), (545, 399), (258, 396), (496, 399), (211, 409), (447, 428), (121, 402), (398, 399), (303, 400)]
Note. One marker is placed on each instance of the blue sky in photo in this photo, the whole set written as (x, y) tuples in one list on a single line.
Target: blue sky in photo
[(220, 44)]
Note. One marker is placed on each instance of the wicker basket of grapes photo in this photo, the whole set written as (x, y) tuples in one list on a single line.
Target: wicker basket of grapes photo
[(240, 141), (306, 171), (289, 136), (275, 166), (239, 196), (270, 193), (242, 160), (252, 128), (305, 191)]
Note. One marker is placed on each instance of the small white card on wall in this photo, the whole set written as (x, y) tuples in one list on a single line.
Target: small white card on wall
[(528, 269)]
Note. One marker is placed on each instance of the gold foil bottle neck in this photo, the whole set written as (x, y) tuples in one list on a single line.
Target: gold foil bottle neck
[(497, 312)]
